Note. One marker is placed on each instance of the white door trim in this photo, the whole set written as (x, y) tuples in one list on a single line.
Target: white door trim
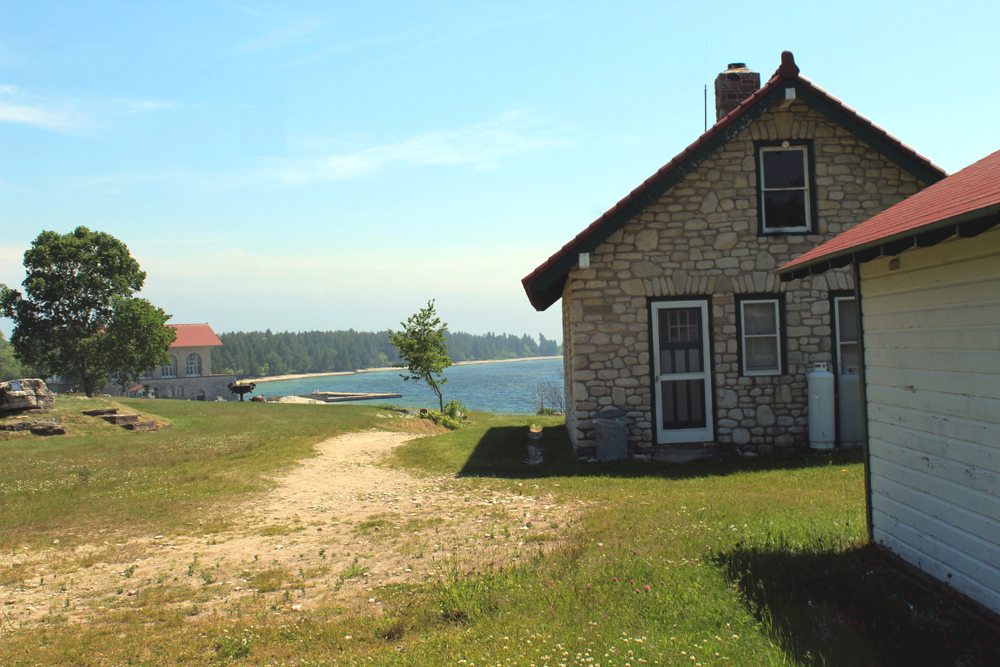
[(704, 433)]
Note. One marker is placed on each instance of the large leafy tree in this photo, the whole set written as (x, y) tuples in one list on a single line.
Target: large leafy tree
[(421, 345), (10, 367), (78, 317)]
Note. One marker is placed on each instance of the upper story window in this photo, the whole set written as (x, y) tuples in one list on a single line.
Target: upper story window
[(193, 366), (170, 370), (784, 178)]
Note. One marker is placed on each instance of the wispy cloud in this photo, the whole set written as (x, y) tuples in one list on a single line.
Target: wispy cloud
[(285, 35), (60, 121), (481, 145), (128, 105), (67, 115)]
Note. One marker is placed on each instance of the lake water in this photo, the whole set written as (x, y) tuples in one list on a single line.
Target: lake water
[(503, 388)]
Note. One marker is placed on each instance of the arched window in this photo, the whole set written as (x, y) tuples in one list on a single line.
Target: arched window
[(170, 370), (154, 392), (180, 391), (193, 365), (170, 391), (201, 395)]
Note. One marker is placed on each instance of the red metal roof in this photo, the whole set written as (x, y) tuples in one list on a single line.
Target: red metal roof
[(787, 71), (968, 194), (194, 335)]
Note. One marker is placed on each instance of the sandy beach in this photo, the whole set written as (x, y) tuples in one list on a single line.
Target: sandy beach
[(274, 378)]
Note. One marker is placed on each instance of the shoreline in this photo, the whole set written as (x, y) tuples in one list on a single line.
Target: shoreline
[(275, 378)]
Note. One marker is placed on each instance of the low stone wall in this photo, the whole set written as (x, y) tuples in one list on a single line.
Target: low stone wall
[(214, 386)]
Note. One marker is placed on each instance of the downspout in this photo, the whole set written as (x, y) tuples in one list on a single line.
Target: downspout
[(866, 452)]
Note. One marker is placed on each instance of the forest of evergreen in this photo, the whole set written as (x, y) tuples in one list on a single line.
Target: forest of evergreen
[(264, 353)]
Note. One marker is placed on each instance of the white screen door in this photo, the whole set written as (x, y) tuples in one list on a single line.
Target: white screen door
[(682, 371)]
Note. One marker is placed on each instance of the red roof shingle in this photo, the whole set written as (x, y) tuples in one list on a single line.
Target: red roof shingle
[(194, 335)]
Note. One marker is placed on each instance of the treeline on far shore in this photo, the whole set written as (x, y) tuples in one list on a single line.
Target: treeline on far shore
[(264, 353)]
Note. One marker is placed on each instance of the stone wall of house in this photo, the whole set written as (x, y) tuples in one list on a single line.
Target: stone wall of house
[(700, 238)]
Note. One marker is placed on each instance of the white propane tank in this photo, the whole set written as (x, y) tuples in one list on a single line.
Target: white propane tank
[(821, 412), (849, 402)]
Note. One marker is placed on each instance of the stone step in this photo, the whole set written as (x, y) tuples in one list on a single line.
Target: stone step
[(140, 426), (15, 426), (120, 420), (100, 412), (47, 428)]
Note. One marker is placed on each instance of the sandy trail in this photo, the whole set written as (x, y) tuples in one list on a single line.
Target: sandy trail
[(336, 527)]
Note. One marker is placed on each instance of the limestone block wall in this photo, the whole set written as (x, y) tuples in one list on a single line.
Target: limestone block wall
[(700, 239), (181, 355)]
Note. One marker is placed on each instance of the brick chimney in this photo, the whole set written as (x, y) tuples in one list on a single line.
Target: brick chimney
[(733, 86)]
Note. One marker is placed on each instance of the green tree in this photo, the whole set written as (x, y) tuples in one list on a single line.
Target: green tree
[(78, 313), (136, 340), (10, 367), (421, 345)]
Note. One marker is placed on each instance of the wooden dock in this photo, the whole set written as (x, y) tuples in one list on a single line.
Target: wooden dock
[(337, 397)]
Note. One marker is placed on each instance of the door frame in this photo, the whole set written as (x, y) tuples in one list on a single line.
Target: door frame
[(689, 435)]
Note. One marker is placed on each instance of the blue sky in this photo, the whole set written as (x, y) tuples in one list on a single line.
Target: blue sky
[(333, 165)]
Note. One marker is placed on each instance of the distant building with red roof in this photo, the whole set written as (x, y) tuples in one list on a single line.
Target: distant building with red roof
[(929, 285), (671, 310), (188, 375)]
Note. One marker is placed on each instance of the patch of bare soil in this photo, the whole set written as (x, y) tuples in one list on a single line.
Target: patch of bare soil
[(336, 527)]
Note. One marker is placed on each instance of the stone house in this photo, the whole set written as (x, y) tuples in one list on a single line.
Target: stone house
[(189, 373), (671, 309), (929, 281)]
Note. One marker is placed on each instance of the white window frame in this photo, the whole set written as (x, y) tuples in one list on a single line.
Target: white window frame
[(170, 370), (764, 228), (188, 365), (836, 330), (676, 436), (776, 335)]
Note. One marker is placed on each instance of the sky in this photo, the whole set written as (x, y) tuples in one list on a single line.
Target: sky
[(308, 166)]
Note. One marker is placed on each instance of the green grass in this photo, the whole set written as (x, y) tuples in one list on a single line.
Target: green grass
[(761, 562), (103, 480)]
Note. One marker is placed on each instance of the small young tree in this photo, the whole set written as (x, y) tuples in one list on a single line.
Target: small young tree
[(421, 345)]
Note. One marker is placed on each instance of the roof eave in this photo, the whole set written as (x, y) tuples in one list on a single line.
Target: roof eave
[(542, 280), (544, 285), (966, 225)]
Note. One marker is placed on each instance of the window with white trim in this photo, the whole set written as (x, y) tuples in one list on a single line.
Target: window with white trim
[(846, 321), (760, 336), (193, 365), (785, 199), (170, 370)]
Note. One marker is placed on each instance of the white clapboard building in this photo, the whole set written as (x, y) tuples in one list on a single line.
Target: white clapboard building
[(929, 281)]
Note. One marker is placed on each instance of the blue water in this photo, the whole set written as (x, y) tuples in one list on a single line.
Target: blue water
[(506, 388)]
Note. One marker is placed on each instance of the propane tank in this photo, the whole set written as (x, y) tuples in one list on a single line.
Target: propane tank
[(821, 407), (849, 404)]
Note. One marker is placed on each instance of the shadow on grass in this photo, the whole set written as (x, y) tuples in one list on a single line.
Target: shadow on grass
[(502, 450), (858, 604)]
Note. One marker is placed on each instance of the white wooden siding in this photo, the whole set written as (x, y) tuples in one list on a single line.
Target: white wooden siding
[(932, 364)]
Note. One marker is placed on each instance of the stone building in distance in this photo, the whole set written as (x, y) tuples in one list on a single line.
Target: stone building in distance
[(188, 375), (671, 311)]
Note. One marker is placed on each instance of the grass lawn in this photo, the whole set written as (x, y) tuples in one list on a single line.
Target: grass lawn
[(757, 562)]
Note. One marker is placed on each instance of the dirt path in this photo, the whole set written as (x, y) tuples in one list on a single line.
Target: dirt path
[(335, 528)]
